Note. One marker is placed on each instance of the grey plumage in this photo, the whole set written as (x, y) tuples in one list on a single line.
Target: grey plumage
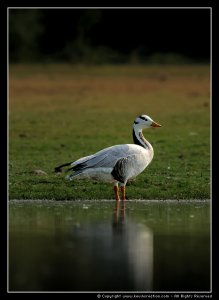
[(121, 169)]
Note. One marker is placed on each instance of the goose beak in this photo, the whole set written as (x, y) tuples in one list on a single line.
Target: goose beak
[(154, 124)]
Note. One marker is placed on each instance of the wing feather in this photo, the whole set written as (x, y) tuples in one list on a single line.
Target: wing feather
[(106, 158), (125, 161)]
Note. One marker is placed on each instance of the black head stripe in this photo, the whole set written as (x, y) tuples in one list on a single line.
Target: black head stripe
[(136, 122), (143, 118)]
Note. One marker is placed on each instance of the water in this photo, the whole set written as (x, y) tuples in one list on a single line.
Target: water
[(101, 246)]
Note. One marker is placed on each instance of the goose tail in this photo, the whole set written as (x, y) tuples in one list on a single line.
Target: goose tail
[(59, 168)]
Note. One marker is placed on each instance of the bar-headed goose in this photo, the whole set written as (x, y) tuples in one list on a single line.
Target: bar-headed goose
[(119, 163)]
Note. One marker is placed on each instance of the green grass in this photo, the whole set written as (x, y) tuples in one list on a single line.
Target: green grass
[(59, 113)]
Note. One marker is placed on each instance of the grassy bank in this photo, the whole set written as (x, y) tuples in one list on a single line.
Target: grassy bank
[(58, 113)]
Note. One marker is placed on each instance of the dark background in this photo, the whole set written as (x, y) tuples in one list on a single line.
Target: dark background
[(109, 35)]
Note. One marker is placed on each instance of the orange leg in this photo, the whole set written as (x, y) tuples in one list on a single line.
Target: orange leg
[(123, 192), (116, 191)]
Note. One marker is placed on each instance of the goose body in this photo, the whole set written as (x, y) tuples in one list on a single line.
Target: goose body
[(119, 163)]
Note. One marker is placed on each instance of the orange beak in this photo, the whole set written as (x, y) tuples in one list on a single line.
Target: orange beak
[(154, 124)]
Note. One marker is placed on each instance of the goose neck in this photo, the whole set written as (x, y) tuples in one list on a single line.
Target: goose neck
[(140, 140)]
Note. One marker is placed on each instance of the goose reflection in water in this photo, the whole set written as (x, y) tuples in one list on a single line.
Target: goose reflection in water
[(117, 250), (136, 240), (119, 217)]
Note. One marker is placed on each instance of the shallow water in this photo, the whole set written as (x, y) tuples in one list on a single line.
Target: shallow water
[(101, 246)]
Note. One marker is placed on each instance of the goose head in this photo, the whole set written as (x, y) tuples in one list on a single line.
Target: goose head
[(144, 121)]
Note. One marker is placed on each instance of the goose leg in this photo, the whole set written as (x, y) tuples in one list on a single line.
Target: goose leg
[(123, 192), (116, 191)]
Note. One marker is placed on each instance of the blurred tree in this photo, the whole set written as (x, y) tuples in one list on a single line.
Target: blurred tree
[(97, 36), (86, 21), (79, 49), (25, 29)]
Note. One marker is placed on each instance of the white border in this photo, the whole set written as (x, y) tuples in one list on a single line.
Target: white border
[(112, 292)]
